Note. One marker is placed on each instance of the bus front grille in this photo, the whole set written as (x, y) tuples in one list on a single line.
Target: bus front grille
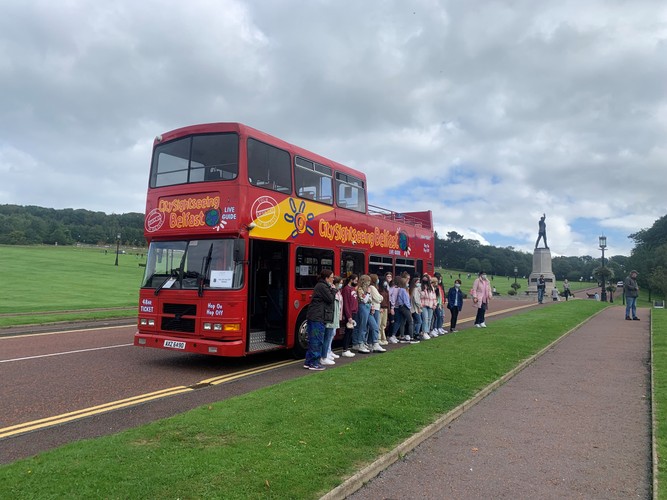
[(178, 324)]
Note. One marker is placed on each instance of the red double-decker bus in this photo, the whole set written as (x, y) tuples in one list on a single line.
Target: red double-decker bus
[(240, 224)]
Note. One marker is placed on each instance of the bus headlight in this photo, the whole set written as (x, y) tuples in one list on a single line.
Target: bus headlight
[(207, 326)]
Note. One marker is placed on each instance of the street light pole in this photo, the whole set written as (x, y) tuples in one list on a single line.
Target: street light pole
[(603, 245), (117, 247)]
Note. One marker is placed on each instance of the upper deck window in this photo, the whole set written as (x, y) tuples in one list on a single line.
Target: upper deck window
[(313, 181), (269, 167), (198, 158), (350, 192)]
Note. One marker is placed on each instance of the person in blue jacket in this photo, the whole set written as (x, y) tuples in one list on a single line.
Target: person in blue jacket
[(454, 304)]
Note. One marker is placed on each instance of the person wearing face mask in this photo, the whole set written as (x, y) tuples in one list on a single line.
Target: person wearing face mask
[(454, 304), (481, 296), (428, 301), (416, 306), (328, 356), (350, 312)]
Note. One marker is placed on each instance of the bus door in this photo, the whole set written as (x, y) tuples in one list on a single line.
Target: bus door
[(267, 295)]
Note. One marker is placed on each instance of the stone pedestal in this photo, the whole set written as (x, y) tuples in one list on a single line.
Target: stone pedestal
[(541, 265)]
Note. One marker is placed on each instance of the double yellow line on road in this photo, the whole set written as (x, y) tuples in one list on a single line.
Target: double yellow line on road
[(43, 423)]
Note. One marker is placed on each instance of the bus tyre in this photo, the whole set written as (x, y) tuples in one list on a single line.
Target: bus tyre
[(301, 336)]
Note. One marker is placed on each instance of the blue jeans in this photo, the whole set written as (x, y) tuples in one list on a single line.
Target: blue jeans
[(439, 317), (328, 339), (315, 338), (540, 295), (374, 327), (359, 336), (427, 317), (417, 320), (630, 306)]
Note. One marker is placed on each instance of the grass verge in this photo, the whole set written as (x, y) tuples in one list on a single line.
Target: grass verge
[(300, 438), (659, 350)]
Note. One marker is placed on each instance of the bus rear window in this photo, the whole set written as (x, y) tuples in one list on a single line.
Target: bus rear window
[(199, 158)]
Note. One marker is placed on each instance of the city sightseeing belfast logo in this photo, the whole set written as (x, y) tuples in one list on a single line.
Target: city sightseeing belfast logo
[(299, 218)]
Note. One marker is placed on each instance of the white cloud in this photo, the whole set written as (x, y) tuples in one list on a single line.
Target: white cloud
[(488, 114)]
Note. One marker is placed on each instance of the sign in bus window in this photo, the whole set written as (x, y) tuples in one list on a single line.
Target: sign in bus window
[(222, 279)]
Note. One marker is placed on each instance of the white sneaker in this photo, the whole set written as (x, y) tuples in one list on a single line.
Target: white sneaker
[(333, 355), (393, 339), (442, 331), (327, 362), (426, 336), (406, 339), (348, 354), (433, 333), (362, 348), (378, 348), (483, 325), (384, 342), (478, 326)]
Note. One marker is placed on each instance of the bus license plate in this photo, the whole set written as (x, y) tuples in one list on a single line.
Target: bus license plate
[(174, 345)]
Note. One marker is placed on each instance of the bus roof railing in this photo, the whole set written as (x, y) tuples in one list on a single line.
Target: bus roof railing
[(417, 219)]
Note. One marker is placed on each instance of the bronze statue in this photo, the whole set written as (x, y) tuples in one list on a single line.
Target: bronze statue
[(542, 233)]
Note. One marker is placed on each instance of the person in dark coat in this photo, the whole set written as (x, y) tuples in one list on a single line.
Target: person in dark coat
[(320, 312), (454, 303)]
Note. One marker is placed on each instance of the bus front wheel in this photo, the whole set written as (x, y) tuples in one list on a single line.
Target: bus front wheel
[(301, 336)]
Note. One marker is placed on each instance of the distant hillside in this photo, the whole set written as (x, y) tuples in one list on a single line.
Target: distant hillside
[(30, 225)]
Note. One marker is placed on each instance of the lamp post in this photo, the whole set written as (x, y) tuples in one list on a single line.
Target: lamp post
[(117, 247), (603, 245), (516, 271)]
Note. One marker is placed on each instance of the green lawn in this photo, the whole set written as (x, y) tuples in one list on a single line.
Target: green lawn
[(659, 327), (300, 438), (65, 278)]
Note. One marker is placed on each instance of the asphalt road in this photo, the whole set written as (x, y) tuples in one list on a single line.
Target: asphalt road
[(65, 385)]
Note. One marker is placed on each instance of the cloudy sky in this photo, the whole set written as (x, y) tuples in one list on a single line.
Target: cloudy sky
[(489, 113)]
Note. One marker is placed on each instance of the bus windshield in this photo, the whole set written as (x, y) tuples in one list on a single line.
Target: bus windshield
[(195, 264)]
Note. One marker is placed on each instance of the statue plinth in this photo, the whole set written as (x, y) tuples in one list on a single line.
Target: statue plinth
[(541, 265)]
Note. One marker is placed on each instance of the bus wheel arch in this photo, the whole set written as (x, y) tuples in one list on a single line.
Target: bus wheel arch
[(301, 335)]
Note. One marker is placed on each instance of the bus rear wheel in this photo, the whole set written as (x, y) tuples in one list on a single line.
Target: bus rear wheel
[(301, 336)]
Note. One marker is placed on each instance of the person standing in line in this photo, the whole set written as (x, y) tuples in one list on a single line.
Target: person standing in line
[(320, 312), (387, 284), (416, 305), (328, 356), (350, 312), (566, 289), (384, 314), (631, 291), (393, 310), (403, 305), (454, 304), (376, 302), (367, 329), (541, 287), (428, 305), (439, 323), (481, 296)]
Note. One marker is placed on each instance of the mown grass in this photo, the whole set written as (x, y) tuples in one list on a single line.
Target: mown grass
[(42, 279), (298, 439), (659, 327)]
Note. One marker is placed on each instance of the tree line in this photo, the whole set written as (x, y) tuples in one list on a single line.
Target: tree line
[(31, 225)]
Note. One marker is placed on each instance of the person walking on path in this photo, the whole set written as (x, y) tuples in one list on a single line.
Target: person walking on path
[(631, 291), (566, 289), (481, 296)]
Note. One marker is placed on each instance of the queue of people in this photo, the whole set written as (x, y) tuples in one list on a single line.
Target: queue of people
[(374, 312)]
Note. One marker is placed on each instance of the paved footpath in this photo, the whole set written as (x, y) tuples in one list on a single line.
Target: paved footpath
[(573, 424)]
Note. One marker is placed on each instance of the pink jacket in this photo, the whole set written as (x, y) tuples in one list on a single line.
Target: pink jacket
[(481, 290)]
